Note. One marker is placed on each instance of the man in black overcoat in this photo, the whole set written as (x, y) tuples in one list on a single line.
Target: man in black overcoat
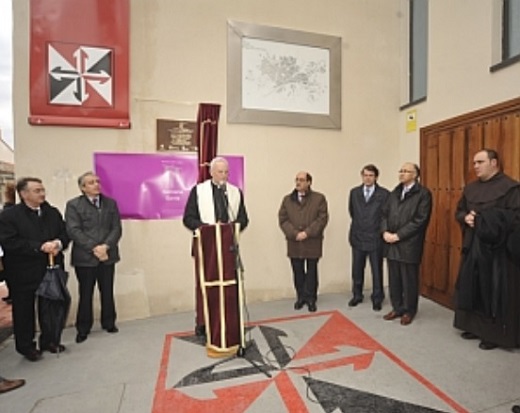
[(29, 232), (406, 215)]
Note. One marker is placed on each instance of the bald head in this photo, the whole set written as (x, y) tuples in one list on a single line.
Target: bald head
[(408, 173)]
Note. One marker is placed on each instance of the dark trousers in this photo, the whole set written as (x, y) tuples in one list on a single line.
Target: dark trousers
[(404, 286), (305, 277), (359, 259), (87, 277), (24, 321)]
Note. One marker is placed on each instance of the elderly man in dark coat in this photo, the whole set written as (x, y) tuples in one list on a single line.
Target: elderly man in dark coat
[(406, 215), (29, 232), (303, 217), (489, 310), (364, 205)]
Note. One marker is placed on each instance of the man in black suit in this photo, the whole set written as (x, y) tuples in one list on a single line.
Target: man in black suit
[(29, 232), (94, 225), (364, 206)]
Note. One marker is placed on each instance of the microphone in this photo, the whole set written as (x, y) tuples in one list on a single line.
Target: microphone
[(222, 186)]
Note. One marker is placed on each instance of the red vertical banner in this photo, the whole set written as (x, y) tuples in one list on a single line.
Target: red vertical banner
[(207, 137), (79, 58)]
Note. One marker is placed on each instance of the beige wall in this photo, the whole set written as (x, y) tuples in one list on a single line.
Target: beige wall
[(6, 153), (178, 59), (464, 43)]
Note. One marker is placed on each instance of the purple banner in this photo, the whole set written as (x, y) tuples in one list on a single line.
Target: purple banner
[(154, 186)]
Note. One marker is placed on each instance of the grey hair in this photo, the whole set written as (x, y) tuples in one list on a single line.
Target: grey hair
[(216, 160), (81, 178)]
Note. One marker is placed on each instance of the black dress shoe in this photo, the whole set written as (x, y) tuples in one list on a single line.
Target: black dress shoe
[(298, 305), (112, 330), (200, 331), (466, 335), (33, 355), (53, 348), (312, 307), (376, 306), (486, 345), (80, 338), (355, 301)]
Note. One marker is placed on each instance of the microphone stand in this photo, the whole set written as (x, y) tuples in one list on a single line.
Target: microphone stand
[(239, 271)]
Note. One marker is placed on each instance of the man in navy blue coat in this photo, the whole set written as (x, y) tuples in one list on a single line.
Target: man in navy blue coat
[(364, 206)]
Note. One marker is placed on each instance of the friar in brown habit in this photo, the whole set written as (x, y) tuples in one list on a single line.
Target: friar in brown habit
[(488, 286)]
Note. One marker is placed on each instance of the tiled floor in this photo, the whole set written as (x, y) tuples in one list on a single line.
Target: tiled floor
[(340, 359)]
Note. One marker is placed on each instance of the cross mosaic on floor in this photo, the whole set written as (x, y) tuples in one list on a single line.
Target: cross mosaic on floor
[(311, 363)]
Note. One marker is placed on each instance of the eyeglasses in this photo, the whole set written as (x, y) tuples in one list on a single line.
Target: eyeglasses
[(405, 171)]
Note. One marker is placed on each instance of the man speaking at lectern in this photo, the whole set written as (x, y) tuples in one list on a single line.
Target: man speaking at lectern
[(210, 202)]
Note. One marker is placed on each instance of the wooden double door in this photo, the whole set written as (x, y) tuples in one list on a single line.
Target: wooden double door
[(446, 151)]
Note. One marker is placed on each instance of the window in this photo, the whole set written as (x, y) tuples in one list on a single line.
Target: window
[(510, 29), (417, 53), (418, 48), (506, 33)]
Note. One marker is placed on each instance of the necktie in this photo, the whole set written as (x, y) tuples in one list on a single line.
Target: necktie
[(403, 194), (367, 194), (95, 202)]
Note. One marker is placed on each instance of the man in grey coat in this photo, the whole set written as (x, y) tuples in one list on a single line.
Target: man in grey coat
[(406, 215), (94, 225), (303, 217), (364, 206)]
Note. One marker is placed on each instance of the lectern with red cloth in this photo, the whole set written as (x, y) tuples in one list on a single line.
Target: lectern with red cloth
[(216, 249)]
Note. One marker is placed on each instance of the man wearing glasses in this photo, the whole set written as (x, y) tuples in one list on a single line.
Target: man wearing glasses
[(303, 217), (405, 218), (29, 232)]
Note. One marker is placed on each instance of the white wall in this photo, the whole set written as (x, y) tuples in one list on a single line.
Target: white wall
[(178, 59)]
